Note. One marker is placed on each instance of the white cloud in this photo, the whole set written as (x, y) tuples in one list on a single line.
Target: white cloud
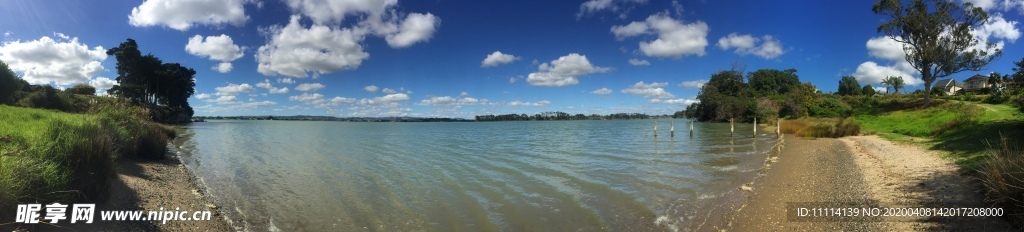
[(984, 4), (622, 7), (203, 96), (295, 51), (223, 67), (226, 100), (498, 58), (652, 90), (182, 14), (450, 101), (318, 100), (266, 85), (675, 39), (102, 84), (415, 28), (305, 87), (696, 84), (563, 71), (885, 48), (252, 105), (233, 89), (387, 99), (388, 91), (333, 12), (518, 103), (371, 88), (602, 91), (639, 62), (305, 97), (747, 44), (680, 101), (997, 27), (47, 60), (285, 81), (511, 80), (872, 73)]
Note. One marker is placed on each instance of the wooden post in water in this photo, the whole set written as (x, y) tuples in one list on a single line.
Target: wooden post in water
[(778, 128), (732, 127), (691, 128), (755, 127), (655, 128), (672, 129)]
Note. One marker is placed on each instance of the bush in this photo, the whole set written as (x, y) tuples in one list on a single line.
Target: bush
[(821, 128), (83, 89), (830, 107), (46, 98), (1003, 177), (10, 84), (938, 92), (996, 99)]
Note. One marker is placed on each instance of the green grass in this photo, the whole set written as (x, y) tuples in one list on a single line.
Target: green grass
[(959, 129), (49, 156)]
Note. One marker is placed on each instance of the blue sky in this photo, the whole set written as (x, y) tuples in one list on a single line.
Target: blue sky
[(464, 58)]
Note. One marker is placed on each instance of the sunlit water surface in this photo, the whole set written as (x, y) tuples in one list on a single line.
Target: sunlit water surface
[(495, 176)]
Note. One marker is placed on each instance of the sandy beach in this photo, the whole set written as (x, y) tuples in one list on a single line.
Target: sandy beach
[(151, 185), (861, 171)]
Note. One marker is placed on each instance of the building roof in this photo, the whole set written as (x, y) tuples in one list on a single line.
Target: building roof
[(977, 77), (946, 83)]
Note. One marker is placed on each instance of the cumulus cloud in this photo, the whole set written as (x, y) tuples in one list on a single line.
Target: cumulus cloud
[(266, 85), (680, 101), (415, 28), (285, 81), (371, 88), (60, 61), (639, 62), (220, 48), (747, 44), (318, 100), (182, 14), (305, 87), (102, 84), (294, 50), (498, 58), (450, 101), (675, 39), (563, 71), (622, 7), (872, 73), (226, 100), (652, 90), (388, 91), (999, 28), (602, 91), (696, 84), (387, 99), (518, 103), (234, 89), (203, 96)]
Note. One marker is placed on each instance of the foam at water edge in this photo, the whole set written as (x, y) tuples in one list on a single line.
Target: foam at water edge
[(272, 227), (665, 221)]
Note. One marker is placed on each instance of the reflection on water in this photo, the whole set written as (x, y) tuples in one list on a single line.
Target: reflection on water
[(495, 176)]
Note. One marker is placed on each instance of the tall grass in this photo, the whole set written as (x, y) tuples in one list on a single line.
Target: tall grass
[(821, 127), (48, 156), (1003, 176)]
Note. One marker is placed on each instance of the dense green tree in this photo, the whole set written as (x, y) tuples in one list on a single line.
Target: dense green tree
[(868, 90), (82, 89), (768, 82), (1018, 73), (10, 84), (848, 86), (147, 79), (725, 96), (936, 36)]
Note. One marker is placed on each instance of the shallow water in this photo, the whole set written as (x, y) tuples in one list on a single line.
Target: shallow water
[(494, 176)]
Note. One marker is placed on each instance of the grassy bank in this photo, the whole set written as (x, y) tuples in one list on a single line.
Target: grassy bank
[(49, 156)]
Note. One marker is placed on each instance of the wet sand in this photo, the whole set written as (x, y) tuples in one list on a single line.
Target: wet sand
[(861, 171), (150, 185)]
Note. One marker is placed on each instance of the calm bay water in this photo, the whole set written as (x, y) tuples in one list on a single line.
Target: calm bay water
[(494, 176)]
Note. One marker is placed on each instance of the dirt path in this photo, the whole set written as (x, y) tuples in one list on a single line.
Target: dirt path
[(862, 171)]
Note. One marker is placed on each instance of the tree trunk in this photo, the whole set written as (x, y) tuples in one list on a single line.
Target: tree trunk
[(928, 79)]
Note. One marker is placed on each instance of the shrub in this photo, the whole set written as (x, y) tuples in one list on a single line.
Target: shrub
[(10, 84), (938, 92), (830, 107), (821, 128), (82, 89), (46, 98), (1003, 177)]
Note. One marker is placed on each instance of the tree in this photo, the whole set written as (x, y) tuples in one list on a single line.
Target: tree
[(894, 82), (769, 82), (147, 79), (849, 86), (936, 36), (10, 84), (868, 90), (723, 97), (82, 89), (1018, 73), (996, 80)]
